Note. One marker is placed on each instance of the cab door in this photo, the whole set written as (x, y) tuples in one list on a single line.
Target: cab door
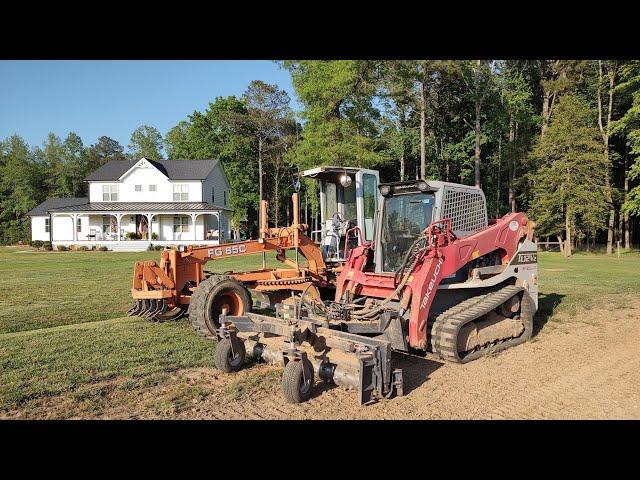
[(367, 201)]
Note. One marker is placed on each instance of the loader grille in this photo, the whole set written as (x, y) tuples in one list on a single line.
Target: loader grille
[(466, 208)]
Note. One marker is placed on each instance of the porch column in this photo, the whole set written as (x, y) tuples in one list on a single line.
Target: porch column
[(193, 221), (52, 216), (75, 227), (149, 220), (118, 218), (217, 215)]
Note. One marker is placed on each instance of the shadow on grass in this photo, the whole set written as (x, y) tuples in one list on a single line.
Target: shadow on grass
[(547, 304)]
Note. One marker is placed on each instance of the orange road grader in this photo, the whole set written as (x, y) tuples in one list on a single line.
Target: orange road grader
[(179, 284)]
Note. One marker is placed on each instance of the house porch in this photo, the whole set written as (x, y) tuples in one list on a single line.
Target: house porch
[(135, 230)]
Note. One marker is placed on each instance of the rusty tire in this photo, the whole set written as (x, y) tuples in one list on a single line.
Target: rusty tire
[(211, 297), (294, 386)]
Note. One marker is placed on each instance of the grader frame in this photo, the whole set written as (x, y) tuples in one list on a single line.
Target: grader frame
[(169, 284)]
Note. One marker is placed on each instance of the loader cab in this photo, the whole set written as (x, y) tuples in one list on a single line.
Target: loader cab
[(407, 208), (348, 201)]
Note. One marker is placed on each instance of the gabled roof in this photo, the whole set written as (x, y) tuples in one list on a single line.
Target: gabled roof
[(173, 169), (54, 202)]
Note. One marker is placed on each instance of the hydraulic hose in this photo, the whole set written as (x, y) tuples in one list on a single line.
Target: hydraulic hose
[(415, 254)]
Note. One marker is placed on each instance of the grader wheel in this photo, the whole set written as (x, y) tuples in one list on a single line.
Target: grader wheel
[(213, 295)]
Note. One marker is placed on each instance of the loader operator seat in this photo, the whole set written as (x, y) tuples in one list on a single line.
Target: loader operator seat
[(335, 236), (345, 226)]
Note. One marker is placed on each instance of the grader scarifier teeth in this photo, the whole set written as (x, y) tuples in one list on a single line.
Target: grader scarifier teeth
[(163, 306), (157, 308), (149, 308), (145, 306), (151, 311), (135, 310)]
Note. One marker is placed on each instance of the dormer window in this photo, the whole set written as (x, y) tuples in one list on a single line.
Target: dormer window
[(109, 193), (181, 192), (138, 188)]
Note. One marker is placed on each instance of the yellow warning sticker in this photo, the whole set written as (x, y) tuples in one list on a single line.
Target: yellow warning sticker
[(475, 254)]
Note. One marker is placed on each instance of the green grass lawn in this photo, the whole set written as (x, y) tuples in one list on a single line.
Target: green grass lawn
[(63, 328), (585, 280), (47, 289)]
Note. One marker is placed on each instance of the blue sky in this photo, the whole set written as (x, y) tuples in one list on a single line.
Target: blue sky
[(94, 98)]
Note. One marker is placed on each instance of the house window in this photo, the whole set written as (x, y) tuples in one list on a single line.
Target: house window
[(152, 188), (225, 198), (213, 196), (106, 224), (109, 193), (79, 225), (180, 224), (181, 192), (47, 225), (138, 188)]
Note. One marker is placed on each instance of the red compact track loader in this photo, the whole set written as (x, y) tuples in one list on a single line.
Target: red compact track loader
[(438, 279)]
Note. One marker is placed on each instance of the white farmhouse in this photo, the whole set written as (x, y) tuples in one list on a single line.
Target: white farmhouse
[(133, 203)]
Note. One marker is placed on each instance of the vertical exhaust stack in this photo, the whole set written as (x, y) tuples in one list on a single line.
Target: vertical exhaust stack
[(296, 228), (263, 229)]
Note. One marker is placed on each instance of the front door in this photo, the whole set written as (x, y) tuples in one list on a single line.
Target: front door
[(141, 227), (181, 227)]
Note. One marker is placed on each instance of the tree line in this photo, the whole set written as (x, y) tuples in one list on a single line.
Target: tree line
[(557, 139)]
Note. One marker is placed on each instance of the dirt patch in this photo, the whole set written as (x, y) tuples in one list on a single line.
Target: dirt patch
[(581, 366), (586, 366)]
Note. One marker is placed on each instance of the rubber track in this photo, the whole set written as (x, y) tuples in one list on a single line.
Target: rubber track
[(198, 304), (447, 325)]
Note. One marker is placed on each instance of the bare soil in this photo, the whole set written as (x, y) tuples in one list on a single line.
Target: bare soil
[(582, 367)]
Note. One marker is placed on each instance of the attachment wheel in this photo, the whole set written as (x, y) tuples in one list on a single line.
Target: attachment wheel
[(228, 359), (297, 381)]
